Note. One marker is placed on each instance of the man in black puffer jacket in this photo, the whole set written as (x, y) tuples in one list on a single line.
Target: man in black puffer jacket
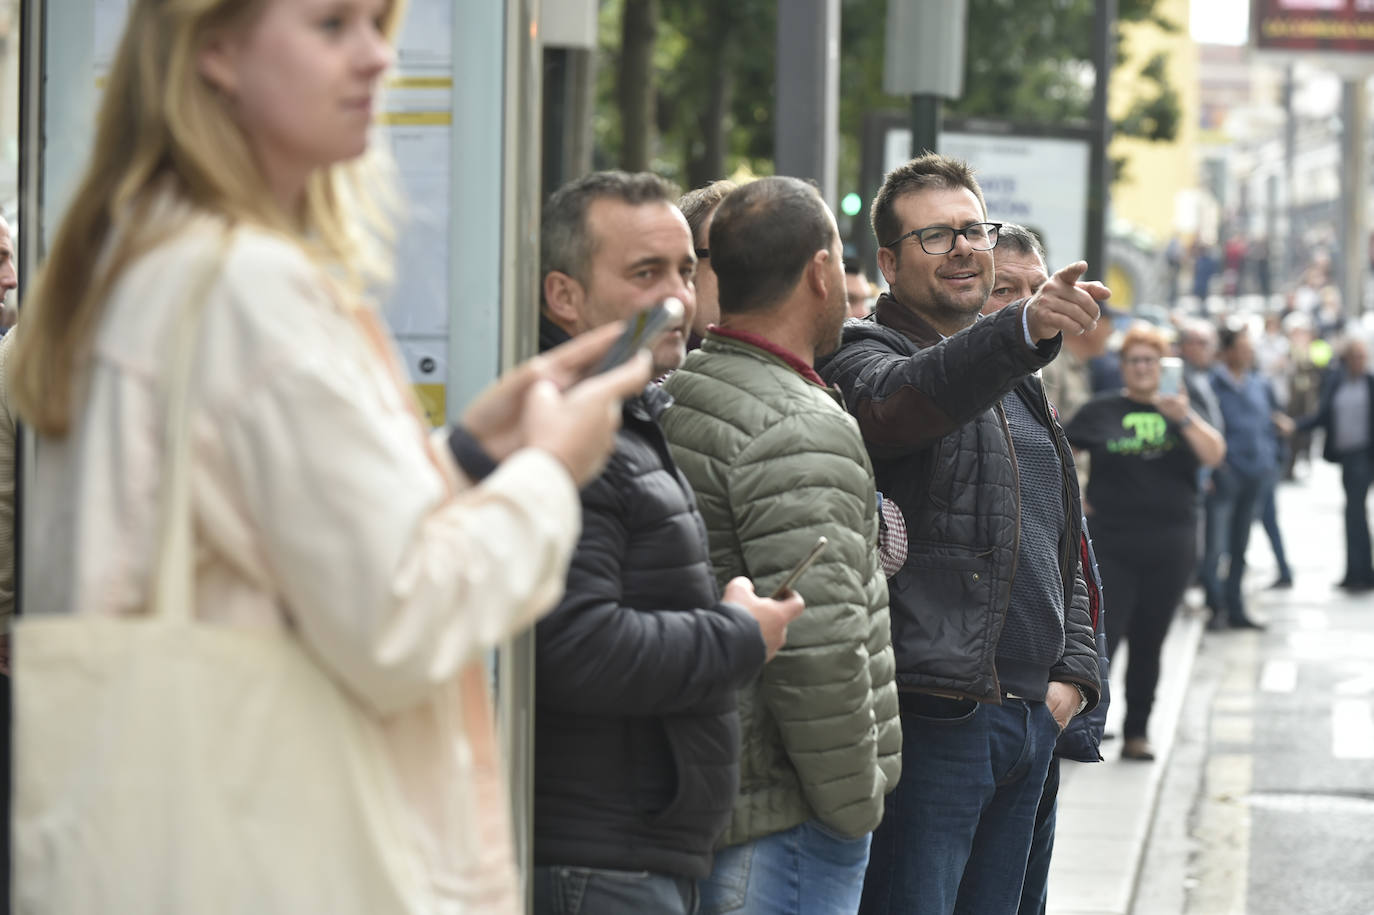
[(636, 672), (990, 625)]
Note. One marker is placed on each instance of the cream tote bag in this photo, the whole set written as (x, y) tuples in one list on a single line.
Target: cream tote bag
[(162, 765)]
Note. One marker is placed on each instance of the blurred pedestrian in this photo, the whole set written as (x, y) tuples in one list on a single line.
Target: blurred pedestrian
[(1304, 389), (1346, 414), (698, 207), (636, 672), (1272, 356), (1104, 368), (822, 742), (993, 666), (1251, 419), (1330, 316), (1233, 274), (1173, 260), (1260, 264), (1146, 448), (321, 513), (1205, 265), (1197, 346), (858, 289)]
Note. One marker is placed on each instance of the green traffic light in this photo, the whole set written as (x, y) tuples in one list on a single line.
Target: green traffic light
[(851, 204)]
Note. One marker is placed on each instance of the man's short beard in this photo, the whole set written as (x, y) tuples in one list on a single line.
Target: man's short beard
[(947, 311)]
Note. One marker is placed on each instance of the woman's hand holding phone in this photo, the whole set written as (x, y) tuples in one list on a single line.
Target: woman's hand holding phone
[(544, 403), (1174, 407), (578, 426)]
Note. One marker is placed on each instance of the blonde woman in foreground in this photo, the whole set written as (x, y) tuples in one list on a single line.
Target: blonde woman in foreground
[(226, 145)]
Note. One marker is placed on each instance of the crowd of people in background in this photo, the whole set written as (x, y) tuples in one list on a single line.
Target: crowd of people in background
[(1001, 416)]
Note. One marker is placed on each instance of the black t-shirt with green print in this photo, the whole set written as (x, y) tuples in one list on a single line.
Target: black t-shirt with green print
[(1142, 471)]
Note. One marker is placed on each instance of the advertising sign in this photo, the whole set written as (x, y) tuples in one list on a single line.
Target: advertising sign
[(1345, 26)]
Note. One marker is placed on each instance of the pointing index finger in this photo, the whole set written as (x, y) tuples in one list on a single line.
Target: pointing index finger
[(1072, 273), (1095, 289)]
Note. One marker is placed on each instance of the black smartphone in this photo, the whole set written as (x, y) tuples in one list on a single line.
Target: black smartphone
[(799, 568), (641, 332)]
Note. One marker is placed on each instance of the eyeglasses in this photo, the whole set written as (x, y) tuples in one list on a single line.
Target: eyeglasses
[(982, 236), (1140, 360), (703, 254)]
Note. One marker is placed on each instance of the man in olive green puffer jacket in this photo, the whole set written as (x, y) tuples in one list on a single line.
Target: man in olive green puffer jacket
[(776, 462)]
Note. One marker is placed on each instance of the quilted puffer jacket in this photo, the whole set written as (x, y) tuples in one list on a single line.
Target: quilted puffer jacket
[(1082, 739), (776, 462), (931, 415), (636, 675)]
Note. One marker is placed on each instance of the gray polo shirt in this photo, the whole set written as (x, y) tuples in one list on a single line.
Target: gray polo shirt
[(1350, 415)]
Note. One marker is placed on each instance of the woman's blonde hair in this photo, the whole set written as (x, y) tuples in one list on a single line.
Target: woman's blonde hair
[(162, 123)]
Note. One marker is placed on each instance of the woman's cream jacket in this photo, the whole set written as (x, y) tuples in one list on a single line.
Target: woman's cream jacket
[(321, 507)]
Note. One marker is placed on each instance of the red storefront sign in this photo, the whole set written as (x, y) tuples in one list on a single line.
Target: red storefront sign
[(1346, 26)]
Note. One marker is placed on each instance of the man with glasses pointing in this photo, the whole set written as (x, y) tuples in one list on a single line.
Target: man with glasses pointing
[(990, 625)]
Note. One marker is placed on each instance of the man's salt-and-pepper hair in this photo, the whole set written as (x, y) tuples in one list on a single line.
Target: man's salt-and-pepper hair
[(1015, 237), (565, 242), (1197, 329)]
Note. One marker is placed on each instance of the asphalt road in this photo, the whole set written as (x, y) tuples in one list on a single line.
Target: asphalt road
[(1267, 806)]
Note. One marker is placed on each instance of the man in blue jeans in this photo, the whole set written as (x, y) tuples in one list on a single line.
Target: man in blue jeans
[(1251, 418), (991, 630), (1346, 413), (776, 463)]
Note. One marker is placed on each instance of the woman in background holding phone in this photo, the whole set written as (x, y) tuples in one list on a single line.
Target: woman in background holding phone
[(1147, 444)]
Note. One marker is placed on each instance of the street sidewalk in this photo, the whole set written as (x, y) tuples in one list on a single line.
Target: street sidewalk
[(1107, 809)]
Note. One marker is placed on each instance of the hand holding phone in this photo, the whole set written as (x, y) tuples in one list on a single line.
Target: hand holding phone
[(642, 331), (1170, 376), (772, 615), (799, 568)]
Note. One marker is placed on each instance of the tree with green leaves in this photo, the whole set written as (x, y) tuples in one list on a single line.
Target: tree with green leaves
[(710, 86)]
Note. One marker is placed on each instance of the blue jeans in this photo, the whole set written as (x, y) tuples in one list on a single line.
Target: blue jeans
[(1231, 508), (597, 891), (957, 830), (1269, 517), (1035, 888), (805, 870), (1356, 473)]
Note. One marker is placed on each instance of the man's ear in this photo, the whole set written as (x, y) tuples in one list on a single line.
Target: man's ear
[(887, 263), (564, 297), (216, 62), (816, 269)]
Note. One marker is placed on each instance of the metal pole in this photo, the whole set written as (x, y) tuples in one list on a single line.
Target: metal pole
[(1099, 178), (32, 61), (520, 206), (32, 231), (926, 115), (806, 131), (1291, 267), (1355, 182)]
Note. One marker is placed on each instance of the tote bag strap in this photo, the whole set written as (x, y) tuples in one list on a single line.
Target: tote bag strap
[(174, 565)]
